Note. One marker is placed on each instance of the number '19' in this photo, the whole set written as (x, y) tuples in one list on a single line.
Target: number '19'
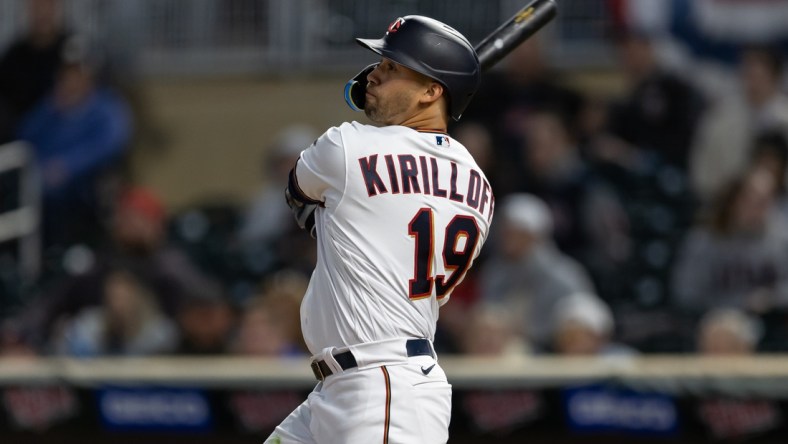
[(462, 235)]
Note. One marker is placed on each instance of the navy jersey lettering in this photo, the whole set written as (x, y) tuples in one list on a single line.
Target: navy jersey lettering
[(410, 172), (454, 195), (372, 179), (392, 174), (425, 174), (436, 188), (474, 189)]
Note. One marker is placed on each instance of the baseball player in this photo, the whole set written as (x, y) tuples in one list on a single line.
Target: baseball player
[(400, 211)]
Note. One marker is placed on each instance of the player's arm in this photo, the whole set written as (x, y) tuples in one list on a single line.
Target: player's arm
[(317, 177)]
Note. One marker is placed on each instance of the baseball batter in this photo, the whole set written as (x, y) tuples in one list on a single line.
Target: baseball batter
[(400, 211)]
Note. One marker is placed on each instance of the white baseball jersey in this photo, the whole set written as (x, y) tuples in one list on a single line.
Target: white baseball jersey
[(403, 215)]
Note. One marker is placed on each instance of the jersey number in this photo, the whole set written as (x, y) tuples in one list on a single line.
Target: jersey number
[(462, 234)]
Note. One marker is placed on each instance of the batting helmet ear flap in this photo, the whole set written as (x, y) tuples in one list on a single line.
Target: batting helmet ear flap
[(356, 89)]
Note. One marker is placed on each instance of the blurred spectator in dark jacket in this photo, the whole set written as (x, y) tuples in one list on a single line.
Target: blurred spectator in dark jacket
[(525, 83), (128, 322), (739, 257), (660, 112), (29, 65), (719, 152), (526, 274), (138, 244), (205, 322), (78, 133), (554, 170)]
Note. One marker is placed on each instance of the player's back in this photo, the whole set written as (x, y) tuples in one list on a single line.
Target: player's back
[(406, 213)]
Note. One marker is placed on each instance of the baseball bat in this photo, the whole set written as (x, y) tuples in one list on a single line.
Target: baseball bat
[(514, 31)]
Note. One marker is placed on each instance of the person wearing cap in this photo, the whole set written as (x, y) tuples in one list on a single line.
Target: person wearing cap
[(526, 272), (725, 332), (583, 324), (728, 331)]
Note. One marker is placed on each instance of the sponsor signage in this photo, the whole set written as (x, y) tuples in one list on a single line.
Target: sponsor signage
[(608, 409), (148, 408)]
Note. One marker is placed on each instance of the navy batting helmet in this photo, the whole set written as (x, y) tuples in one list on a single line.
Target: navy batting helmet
[(436, 50)]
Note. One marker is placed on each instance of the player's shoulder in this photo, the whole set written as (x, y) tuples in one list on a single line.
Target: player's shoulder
[(354, 127), (349, 132), (346, 130)]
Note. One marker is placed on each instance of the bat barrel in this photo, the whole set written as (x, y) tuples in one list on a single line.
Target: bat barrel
[(514, 31)]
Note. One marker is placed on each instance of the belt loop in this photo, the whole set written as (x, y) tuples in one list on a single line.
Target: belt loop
[(327, 355)]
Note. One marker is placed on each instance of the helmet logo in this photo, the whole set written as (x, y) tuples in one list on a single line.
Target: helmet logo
[(394, 26)]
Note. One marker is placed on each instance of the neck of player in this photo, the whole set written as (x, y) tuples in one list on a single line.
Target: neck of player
[(430, 116)]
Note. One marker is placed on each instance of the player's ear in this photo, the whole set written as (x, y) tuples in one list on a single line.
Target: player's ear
[(433, 92)]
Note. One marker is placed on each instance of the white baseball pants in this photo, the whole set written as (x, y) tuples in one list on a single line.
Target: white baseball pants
[(402, 402)]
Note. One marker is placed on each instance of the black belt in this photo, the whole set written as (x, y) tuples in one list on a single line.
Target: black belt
[(346, 360)]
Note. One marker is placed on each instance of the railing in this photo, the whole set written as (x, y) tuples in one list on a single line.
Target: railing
[(762, 376), (289, 36), (20, 210), (556, 400)]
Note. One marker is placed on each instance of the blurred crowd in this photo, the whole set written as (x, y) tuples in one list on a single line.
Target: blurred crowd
[(651, 220)]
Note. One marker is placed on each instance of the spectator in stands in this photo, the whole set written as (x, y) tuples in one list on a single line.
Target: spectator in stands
[(137, 243), (734, 333), (127, 323), (728, 331), (660, 112), (770, 152), (723, 139), (492, 330), (78, 132), (267, 229), (583, 324), (644, 204), (526, 274), (738, 258), (554, 171), (524, 83), (12, 340), (29, 65), (205, 322), (270, 323)]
